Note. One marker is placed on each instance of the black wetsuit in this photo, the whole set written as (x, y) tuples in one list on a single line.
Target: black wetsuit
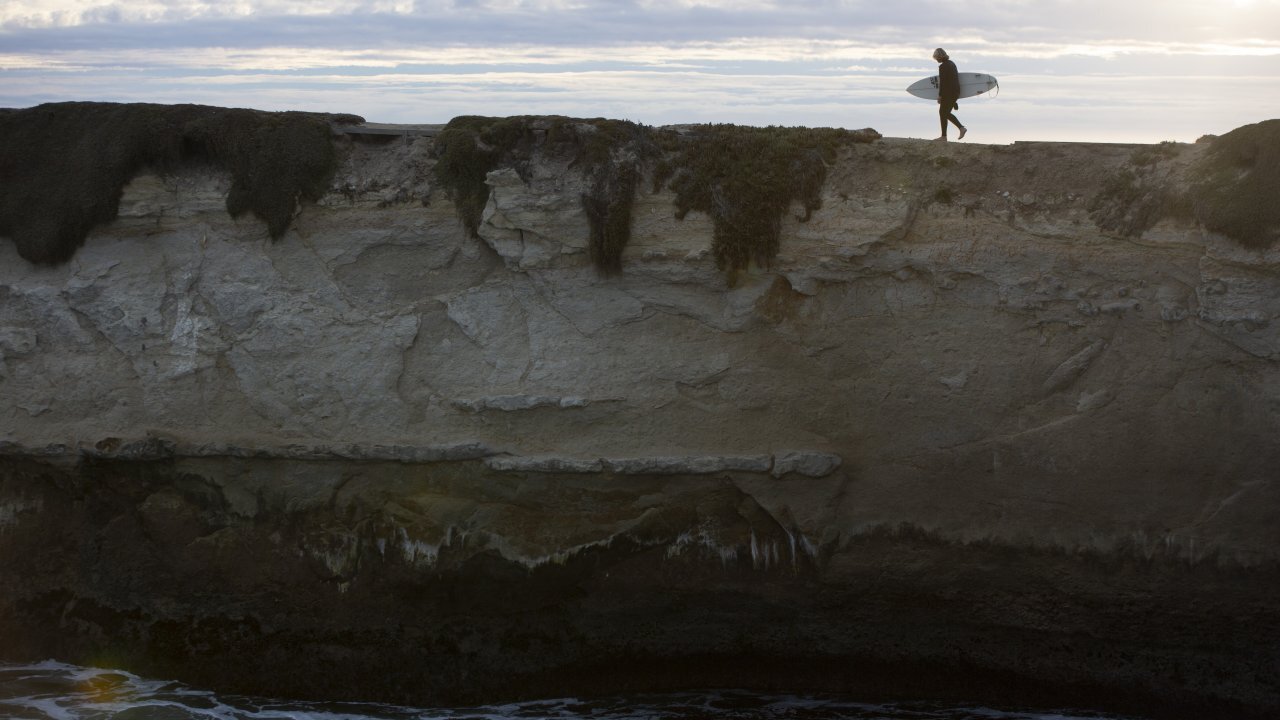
[(948, 94)]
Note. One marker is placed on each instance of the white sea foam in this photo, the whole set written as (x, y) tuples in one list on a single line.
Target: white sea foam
[(57, 691)]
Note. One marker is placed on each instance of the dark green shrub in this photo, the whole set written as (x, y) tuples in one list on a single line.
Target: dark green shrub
[(275, 159), (746, 178), (65, 165), (467, 150), (609, 153), (614, 154), (1236, 190)]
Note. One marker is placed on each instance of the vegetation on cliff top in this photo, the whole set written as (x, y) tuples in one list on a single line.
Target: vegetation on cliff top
[(65, 165), (468, 149), (1136, 196), (746, 178), (611, 155), (1237, 188), (1231, 190)]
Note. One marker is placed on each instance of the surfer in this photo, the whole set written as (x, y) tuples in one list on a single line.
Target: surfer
[(948, 93)]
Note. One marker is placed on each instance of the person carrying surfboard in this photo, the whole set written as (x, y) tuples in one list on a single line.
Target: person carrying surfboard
[(948, 93)]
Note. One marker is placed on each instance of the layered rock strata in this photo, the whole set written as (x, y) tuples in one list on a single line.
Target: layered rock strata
[(956, 440)]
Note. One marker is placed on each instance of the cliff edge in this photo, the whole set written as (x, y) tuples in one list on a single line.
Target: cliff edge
[(651, 408)]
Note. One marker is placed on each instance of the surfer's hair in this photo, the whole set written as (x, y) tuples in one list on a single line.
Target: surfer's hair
[(940, 55)]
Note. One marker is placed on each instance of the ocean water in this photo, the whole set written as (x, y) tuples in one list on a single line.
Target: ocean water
[(56, 691)]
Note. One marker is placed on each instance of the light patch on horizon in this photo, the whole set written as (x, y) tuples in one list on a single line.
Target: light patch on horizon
[(1027, 108)]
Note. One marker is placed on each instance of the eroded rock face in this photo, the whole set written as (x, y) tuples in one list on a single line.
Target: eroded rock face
[(453, 582), (960, 429)]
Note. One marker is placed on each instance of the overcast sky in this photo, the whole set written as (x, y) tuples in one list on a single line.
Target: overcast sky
[(1113, 70)]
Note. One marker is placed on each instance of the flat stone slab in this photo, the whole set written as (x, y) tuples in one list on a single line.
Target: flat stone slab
[(808, 464), (700, 465), (159, 449), (544, 465)]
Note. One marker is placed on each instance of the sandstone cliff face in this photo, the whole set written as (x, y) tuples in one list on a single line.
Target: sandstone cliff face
[(955, 425)]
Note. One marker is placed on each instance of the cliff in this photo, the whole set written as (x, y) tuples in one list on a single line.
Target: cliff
[(988, 420)]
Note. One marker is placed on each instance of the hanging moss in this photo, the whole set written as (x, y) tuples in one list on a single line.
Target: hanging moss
[(614, 154), (746, 179), (1237, 185), (65, 165), (609, 153), (608, 206), (467, 150), (275, 159)]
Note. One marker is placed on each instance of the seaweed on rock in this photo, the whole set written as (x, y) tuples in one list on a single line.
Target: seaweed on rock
[(64, 165)]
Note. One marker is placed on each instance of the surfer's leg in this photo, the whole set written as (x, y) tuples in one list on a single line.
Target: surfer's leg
[(952, 117), (943, 113)]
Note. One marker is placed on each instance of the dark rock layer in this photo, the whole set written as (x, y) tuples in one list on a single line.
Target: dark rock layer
[(449, 583)]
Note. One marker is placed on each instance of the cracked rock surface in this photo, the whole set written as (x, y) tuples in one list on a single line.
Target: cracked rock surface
[(933, 434)]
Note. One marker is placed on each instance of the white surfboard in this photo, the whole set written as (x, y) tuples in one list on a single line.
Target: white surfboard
[(970, 84)]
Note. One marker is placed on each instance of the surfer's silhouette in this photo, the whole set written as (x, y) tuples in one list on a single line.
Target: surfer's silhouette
[(948, 93)]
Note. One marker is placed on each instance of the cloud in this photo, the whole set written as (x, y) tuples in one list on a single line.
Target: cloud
[(600, 22)]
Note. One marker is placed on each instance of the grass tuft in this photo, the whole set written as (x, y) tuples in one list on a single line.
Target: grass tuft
[(1152, 154)]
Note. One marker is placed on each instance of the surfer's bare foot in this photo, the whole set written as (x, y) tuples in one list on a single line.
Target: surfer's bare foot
[(963, 130), (941, 139)]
